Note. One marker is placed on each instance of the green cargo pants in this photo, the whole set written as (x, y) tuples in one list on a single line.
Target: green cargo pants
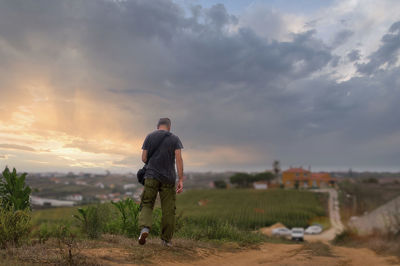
[(168, 197)]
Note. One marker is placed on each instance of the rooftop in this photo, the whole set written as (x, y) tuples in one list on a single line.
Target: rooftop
[(296, 170)]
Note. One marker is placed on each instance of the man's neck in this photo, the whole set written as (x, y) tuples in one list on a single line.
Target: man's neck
[(163, 128)]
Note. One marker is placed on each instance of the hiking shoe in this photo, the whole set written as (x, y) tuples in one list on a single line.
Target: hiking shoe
[(166, 243), (143, 235)]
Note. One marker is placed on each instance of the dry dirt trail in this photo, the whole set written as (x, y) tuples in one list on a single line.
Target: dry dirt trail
[(296, 254), (334, 218), (266, 254)]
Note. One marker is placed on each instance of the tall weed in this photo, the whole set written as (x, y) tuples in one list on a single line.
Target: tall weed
[(15, 227), (14, 193), (93, 220)]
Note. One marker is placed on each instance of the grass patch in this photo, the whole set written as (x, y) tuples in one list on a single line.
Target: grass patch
[(219, 232)]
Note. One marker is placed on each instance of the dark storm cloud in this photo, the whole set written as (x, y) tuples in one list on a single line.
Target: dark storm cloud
[(387, 52), (222, 85), (354, 55), (341, 37)]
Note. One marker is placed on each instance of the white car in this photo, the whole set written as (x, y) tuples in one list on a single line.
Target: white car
[(281, 231), (298, 234), (313, 230)]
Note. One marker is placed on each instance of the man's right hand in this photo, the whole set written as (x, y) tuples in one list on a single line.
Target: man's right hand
[(179, 166), (179, 188)]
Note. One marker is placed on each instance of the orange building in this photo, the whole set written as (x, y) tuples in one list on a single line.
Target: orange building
[(305, 179)]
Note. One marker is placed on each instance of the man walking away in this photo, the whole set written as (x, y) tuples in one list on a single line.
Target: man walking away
[(160, 178)]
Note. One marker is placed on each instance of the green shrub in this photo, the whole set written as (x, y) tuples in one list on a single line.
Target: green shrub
[(15, 227), (14, 193), (43, 233), (129, 218), (221, 184), (92, 221), (129, 215)]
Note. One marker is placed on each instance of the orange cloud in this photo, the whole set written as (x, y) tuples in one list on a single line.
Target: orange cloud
[(16, 147)]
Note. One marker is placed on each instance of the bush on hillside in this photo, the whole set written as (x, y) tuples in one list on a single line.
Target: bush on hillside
[(91, 223), (129, 217), (95, 220), (221, 184), (14, 193), (15, 227), (15, 218)]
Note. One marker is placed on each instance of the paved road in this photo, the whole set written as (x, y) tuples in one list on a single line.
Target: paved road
[(334, 217)]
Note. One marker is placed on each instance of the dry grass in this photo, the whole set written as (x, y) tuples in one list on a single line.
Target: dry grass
[(380, 243)]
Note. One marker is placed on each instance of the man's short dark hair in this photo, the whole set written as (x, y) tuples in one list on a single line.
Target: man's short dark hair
[(164, 121)]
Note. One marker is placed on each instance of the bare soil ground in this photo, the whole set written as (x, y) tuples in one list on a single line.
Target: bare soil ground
[(122, 251), (298, 254)]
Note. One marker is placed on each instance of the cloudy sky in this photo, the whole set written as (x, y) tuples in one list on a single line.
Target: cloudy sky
[(245, 82)]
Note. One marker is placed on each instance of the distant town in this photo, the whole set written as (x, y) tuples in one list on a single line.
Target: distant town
[(69, 189)]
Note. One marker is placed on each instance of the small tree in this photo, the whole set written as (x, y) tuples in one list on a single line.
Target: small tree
[(14, 193), (15, 218), (264, 176), (241, 179), (277, 168), (221, 184), (15, 226)]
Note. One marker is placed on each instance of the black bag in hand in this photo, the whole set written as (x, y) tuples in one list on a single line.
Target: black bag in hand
[(142, 171)]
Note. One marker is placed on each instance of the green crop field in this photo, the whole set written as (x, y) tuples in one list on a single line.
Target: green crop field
[(252, 209), (245, 209)]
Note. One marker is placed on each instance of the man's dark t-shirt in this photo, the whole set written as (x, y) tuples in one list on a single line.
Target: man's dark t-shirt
[(161, 165)]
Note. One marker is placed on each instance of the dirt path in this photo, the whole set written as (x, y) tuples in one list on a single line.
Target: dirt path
[(296, 254), (334, 213), (267, 254), (334, 218)]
